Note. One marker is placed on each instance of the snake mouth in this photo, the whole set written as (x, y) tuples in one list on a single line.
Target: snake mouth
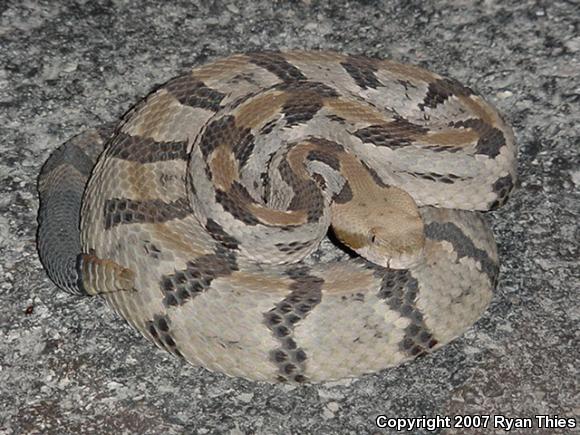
[(396, 246), (405, 261), (392, 260)]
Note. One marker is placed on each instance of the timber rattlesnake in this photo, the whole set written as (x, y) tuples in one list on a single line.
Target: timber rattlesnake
[(197, 214)]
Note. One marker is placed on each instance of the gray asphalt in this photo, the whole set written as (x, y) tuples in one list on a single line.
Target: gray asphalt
[(69, 365)]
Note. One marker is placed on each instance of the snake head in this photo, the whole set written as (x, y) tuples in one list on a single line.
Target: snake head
[(398, 246)]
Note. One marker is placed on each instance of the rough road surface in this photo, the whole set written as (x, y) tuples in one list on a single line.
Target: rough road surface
[(70, 365)]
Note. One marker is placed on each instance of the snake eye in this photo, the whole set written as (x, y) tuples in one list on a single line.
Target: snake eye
[(373, 238)]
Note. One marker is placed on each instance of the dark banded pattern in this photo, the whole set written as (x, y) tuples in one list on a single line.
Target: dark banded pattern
[(277, 65), (324, 157), (224, 131), (463, 246), (491, 140), (305, 99), (307, 195), (440, 90), (502, 188), (290, 359), (345, 195), (362, 70), (191, 92), (301, 108), (217, 233), (438, 178), (235, 202), (292, 246), (399, 289), (119, 211), (374, 176), (159, 329), (146, 150), (184, 285), (396, 134)]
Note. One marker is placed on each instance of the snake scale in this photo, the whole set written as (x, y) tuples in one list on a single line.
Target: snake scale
[(198, 218)]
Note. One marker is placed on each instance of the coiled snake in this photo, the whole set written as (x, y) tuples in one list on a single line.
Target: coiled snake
[(196, 218)]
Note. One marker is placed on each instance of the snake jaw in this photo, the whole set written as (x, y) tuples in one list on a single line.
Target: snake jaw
[(393, 254)]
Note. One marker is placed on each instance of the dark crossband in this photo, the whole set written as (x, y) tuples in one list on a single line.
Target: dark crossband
[(399, 290), (146, 150), (277, 65), (362, 70), (186, 284), (192, 92), (119, 211), (491, 139), (306, 293), (463, 246), (439, 91)]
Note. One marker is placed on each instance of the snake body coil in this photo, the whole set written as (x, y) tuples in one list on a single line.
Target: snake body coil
[(197, 216)]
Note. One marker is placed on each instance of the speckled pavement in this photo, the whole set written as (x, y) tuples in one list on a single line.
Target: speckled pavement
[(69, 365)]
